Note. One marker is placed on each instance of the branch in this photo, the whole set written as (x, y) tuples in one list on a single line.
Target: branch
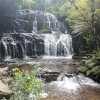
[(76, 7)]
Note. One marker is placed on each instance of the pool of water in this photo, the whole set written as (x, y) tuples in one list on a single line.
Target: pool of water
[(69, 84)]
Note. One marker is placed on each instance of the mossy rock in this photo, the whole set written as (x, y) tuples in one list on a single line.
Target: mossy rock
[(96, 70), (91, 65), (44, 31), (82, 69)]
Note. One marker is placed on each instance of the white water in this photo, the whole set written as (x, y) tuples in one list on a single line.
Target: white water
[(58, 45), (72, 83)]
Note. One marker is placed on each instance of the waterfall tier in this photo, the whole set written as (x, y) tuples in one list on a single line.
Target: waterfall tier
[(25, 45), (35, 21), (58, 45)]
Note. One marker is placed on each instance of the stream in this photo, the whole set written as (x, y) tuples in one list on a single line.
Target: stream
[(68, 84)]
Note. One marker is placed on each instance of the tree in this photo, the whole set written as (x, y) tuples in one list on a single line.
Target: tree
[(82, 16), (7, 13)]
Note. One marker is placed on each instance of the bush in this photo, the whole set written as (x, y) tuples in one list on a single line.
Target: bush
[(44, 31), (96, 70), (26, 86)]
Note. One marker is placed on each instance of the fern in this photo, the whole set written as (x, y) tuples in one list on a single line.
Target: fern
[(88, 72)]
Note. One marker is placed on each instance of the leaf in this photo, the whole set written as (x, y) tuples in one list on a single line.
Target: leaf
[(88, 72)]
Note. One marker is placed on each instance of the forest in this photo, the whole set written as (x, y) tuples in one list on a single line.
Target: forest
[(56, 43)]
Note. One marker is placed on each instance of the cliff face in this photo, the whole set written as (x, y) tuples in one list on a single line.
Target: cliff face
[(33, 21)]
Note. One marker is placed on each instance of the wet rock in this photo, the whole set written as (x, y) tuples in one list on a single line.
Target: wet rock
[(34, 20), (77, 57), (19, 52), (48, 75), (2, 51)]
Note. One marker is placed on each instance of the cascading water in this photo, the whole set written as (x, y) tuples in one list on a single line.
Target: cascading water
[(24, 45), (58, 45), (39, 20)]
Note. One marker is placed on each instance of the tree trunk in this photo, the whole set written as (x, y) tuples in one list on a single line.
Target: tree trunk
[(93, 24)]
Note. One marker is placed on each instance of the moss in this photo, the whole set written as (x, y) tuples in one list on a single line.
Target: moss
[(82, 69), (44, 31)]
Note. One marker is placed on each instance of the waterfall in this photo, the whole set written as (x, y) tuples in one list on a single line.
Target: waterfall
[(24, 44), (34, 26), (58, 45), (40, 20)]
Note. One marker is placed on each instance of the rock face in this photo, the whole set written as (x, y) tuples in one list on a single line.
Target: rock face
[(4, 89), (21, 45), (33, 21)]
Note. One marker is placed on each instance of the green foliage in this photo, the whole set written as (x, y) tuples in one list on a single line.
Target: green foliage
[(83, 17), (53, 6), (88, 72), (82, 69), (88, 62), (44, 31), (92, 64), (96, 70), (24, 84)]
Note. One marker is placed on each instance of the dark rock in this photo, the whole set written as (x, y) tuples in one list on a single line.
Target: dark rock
[(19, 52), (76, 57), (2, 51)]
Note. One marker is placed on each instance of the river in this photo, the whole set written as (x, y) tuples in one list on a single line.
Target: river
[(68, 84)]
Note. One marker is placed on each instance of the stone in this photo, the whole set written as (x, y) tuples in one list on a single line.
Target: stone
[(76, 57), (4, 73), (4, 88)]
